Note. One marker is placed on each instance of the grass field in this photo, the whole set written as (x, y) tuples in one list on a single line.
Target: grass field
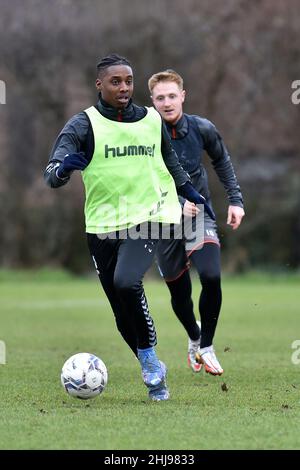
[(45, 319)]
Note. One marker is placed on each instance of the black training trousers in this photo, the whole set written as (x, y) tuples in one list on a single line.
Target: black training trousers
[(121, 265), (208, 265)]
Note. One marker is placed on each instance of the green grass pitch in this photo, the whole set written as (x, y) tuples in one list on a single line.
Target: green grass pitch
[(44, 320)]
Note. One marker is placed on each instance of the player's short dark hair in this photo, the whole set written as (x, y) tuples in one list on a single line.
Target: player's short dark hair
[(109, 60)]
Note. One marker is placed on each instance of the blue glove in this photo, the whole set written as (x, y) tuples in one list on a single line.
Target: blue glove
[(188, 191), (71, 162)]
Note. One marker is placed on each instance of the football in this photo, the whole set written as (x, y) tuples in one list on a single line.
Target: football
[(84, 376)]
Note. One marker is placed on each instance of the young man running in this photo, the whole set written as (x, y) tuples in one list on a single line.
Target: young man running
[(191, 136), (128, 168)]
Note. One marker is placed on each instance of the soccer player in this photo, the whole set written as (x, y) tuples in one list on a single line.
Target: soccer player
[(190, 136), (128, 168)]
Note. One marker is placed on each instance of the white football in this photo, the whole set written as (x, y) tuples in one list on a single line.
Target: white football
[(84, 376)]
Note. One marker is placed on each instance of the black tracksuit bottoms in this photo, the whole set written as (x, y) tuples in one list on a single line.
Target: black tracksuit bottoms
[(121, 265)]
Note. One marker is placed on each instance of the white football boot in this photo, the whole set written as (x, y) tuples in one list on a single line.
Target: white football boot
[(194, 360), (210, 361)]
